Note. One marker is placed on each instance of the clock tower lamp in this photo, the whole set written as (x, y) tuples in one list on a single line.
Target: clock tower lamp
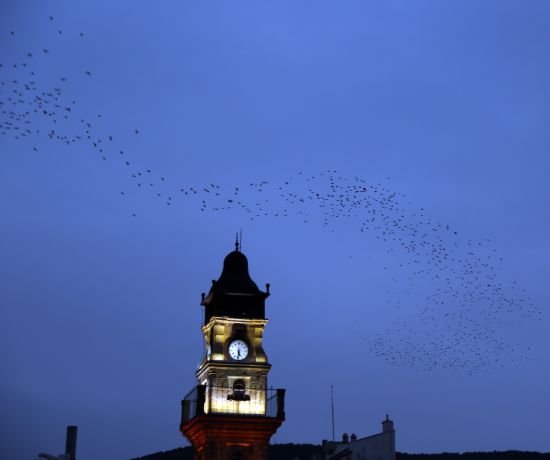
[(231, 414)]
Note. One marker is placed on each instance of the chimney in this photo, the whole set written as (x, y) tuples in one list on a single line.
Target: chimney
[(353, 437), (345, 438), (387, 425), (70, 445)]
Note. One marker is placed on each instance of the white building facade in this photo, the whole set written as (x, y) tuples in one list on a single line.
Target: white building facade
[(379, 446)]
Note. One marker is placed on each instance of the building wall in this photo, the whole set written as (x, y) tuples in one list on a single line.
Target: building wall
[(377, 447)]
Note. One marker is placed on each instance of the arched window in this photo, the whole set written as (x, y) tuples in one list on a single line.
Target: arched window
[(238, 453), (239, 391)]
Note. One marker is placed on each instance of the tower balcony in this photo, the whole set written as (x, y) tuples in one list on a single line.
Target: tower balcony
[(212, 401)]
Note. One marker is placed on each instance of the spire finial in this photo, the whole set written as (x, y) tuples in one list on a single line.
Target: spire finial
[(237, 242)]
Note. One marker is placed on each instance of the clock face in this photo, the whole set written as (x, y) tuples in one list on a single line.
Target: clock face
[(238, 349)]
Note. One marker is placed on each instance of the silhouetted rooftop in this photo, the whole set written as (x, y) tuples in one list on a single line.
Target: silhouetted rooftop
[(235, 278), (235, 294)]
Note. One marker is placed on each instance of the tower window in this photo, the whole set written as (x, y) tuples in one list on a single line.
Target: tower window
[(239, 392), (237, 453)]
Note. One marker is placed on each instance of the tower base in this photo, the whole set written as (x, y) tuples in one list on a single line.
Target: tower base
[(229, 437)]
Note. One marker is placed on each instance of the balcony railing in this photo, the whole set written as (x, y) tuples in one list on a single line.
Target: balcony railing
[(211, 400)]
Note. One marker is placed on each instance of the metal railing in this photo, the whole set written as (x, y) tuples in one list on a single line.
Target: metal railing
[(211, 400)]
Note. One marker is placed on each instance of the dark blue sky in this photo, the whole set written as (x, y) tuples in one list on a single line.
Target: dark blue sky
[(444, 103)]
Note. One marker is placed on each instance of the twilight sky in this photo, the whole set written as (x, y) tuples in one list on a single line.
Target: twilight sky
[(386, 161)]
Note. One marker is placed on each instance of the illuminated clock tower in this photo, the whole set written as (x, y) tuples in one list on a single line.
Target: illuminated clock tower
[(232, 413)]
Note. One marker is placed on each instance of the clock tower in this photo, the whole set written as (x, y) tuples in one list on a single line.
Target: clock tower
[(232, 413)]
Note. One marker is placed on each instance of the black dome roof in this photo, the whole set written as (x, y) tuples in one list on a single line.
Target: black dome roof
[(235, 294), (235, 278)]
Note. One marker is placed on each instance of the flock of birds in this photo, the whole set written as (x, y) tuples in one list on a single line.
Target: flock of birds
[(449, 300)]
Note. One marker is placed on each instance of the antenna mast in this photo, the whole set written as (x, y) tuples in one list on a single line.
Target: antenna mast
[(332, 410)]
